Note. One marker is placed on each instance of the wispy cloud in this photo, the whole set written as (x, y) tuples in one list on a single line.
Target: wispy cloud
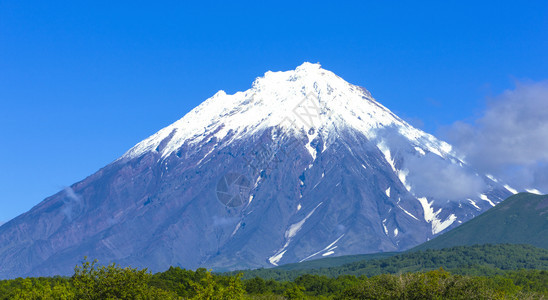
[(510, 139), (433, 176), (429, 175), (72, 203)]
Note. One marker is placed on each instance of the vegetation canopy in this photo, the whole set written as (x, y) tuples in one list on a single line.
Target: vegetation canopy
[(93, 281)]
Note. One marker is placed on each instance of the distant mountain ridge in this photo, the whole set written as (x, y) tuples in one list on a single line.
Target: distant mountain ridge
[(300, 166)]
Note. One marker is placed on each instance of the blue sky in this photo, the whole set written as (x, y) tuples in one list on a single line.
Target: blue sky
[(80, 83)]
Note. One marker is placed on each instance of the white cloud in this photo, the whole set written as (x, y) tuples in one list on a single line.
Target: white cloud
[(510, 139), (432, 176), (72, 203)]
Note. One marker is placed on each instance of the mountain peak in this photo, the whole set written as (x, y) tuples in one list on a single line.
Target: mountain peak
[(307, 99), (304, 68), (305, 74), (308, 66)]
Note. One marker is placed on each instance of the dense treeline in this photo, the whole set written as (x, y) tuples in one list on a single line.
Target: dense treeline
[(478, 260), (113, 282), (92, 281)]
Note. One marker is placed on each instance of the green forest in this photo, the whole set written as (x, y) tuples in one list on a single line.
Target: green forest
[(473, 272), (477, 260)]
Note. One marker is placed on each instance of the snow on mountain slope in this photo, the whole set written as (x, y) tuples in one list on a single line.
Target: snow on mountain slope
[(319, 98), (302, 165)]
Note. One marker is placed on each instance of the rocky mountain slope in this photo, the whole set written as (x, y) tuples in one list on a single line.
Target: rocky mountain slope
[(302, 165)]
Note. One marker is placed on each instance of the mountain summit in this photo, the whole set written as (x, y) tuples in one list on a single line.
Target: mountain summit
[(295, 102), (302, 165)]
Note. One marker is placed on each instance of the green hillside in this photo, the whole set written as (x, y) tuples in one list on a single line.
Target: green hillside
[(484, 260), (334, 261), (520, 219)]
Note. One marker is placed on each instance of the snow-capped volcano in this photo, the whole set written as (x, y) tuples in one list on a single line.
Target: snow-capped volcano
[(296, 101), (302, 165)]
